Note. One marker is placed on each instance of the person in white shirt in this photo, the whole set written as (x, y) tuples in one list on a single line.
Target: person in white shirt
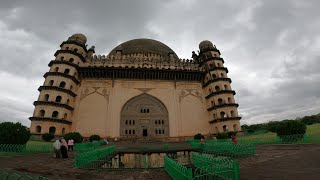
[(57, 147)]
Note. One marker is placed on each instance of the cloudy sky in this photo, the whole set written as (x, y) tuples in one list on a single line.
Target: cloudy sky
[(270, 47)]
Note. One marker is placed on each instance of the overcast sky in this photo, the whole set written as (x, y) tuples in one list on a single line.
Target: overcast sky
[(270, 47)]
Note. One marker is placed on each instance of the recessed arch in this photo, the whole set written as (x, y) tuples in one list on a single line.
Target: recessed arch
[(148, 112), (38, 129), (52, 130)]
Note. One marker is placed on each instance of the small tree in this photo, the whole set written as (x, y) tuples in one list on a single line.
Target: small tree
[(76, 136), (231, 133), (94, 138), (13, 133), (222, 136), (291, 131), (47, 136), (198, 136)]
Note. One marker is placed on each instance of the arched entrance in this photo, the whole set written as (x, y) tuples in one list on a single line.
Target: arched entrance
[(144, 116)]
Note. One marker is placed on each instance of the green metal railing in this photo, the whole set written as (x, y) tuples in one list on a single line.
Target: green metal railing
[(220, 167), (230, 150), (87, 159), (85, 147), (26, 148), (13, 176), (176, 170)]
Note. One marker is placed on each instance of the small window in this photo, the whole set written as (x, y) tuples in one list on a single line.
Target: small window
[(156, 131), (130, 122), (68, 101), (222, 115), (130, 131), (52, 130), (162, 121), (62, 84), (222, 75), (66, 71), (133, 132), (75, 50), (133, 122), (141, 110), (232, 114), (220, 101), (63, 131), (55, 114), (217, 88), (51, 83), (156, 122), (71, 87), (126, 131), (38, 129), (226, 87), (46, 97), (41, 113), (162, 131), (75, 74), (62, 58), (147, 110), (229, 100), (71, 60), (126, 122), (58, 99), (213, 76), (56, 69), (65, 116), (144, 110), (67, 48)]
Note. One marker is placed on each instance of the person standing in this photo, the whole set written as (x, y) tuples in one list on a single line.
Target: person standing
[(56, 148), (70, 144), (234, 139), (64, 148)]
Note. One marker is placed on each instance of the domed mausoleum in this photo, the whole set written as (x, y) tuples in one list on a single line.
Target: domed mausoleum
[(140, 90)]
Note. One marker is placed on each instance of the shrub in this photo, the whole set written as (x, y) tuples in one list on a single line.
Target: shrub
[(13, 133), (94, 138), (47, 136), (231, 133), (198, 136), (250, 131), (77, 137), (291, 128), (222, 136)]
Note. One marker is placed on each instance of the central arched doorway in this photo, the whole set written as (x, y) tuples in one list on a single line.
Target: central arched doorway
[(144, 116)]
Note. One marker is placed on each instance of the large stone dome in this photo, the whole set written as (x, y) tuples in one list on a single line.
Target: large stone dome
[(144, 46)]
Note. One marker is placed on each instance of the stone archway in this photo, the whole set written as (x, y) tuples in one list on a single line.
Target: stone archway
[(144, 116)]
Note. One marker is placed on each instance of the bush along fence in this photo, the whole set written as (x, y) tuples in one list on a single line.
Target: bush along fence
[(85, 147), (94, 159), (26, 148), (12, 175), (206, 167)]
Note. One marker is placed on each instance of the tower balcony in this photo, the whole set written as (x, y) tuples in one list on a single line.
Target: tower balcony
[(75, 80), (63, 62), (51, 103), (222, 106), (50, 119), (218, 68), (216, 80), (70, 52), (220, 92), (224, 119), (56, 88), (210, 59)]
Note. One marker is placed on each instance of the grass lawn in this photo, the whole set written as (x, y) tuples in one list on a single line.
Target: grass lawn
[(313, 132)]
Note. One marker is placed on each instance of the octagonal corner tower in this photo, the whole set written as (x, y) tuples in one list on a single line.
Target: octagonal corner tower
[(141, 89)]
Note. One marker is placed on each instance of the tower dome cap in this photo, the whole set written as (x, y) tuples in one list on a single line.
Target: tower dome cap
[(206, 45), (79, 38)]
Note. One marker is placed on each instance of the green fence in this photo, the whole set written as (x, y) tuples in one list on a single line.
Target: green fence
[(219, 167), (176, 170), (230, 150), (13, 176), (88, 159), (85, 147), (26, 148)]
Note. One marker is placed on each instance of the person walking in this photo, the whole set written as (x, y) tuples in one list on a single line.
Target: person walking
[(70, 144), (64, 148), (56, 148)]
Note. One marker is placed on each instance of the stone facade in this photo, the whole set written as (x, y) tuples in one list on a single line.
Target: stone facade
[(140, 90)]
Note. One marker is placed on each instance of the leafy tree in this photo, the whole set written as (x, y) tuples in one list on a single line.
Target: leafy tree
[(231, 133), (94, 138), (13, 133), (47, 136), (222, 136), (76, 136), (198, 136), (273, 125), (291, 128)]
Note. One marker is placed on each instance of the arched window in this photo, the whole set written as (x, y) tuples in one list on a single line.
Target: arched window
[(67, 48), (133, 132), (61, 58), (211, 66), (213, 76), (71, 60), (162, 131), (232, 114), (222, 114), (58, 99), (75, 50), (156, 131), (63, 131), (212, 103), (38, 129), (126, 123), (65, 116), (162, 121), (217, 88), (222, 75), (62, 84), (51, 83), (130, 122), (226, 87), (68, 101), (56, 69), (126, 131), (156, 122), (55, 114), (130, 131), (46, 97), (225, 128), (214, 115), (147, 110), (220, 101), (229, 100), (133, 122), (66, 71), (235, 128), (159, 121), (41, 113), (52, 130)]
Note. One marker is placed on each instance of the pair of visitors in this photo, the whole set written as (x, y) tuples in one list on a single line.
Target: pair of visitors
[(64, 148), (56, 148), (70, 144)]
